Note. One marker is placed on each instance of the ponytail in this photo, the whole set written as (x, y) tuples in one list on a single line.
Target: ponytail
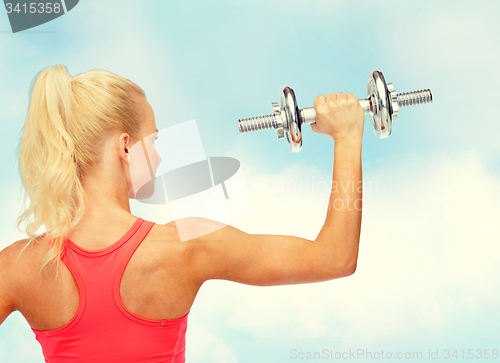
[(65, 123)]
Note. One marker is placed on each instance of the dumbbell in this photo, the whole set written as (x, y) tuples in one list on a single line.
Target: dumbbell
[(383, 104)]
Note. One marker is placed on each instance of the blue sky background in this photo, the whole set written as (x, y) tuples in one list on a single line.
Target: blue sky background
[(428, 268)]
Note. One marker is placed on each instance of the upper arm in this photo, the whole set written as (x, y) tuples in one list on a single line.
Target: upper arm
[(6, 301), (263, 260)]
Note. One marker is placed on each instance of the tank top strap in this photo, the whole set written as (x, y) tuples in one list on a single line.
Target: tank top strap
[(128, 249)]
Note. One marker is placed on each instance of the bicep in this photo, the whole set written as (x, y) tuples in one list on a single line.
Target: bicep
[(263, 259)]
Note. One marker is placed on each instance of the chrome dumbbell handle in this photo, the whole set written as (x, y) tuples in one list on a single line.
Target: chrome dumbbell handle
[(382, 104), (308, 115)]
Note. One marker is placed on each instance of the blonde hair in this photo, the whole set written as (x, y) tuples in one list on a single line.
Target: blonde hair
[(68, 118)]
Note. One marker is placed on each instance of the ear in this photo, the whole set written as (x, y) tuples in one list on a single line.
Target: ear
[(124, 145)]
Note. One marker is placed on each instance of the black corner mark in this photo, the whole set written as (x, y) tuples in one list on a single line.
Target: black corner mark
[(28, 14), (70, 4)]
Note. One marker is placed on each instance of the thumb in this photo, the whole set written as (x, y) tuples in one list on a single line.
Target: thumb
[(314, 127)]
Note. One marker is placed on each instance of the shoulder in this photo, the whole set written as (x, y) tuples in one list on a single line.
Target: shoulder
[(169, 238), (21, 255), (17, 261), (11, 252), (194, 229), (187, 237), (23, 244), (192, 233), (9, 265)]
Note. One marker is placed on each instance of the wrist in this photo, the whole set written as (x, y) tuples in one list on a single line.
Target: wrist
[(354, 141)]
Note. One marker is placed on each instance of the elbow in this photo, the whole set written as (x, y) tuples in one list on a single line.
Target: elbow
[(351, 263), (350, 269), (342, 270)]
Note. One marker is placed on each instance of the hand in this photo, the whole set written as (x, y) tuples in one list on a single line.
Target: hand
[(339, 116)]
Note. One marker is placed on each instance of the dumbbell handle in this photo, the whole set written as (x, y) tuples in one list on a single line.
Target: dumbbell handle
[(308, 115)]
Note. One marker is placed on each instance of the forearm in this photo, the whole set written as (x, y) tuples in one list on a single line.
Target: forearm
[(341, 230)]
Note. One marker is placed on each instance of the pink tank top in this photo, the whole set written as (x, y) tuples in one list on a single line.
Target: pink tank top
[(103, 330)]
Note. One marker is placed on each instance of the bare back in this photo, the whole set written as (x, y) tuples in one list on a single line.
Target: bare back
[(157, 282)]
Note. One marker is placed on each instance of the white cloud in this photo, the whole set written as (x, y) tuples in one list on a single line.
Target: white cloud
[(203, 346), (453, 52)]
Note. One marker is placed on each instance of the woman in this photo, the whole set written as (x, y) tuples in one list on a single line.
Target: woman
[(121, 295)]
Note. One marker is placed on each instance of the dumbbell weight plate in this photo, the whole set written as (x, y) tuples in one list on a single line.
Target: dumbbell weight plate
[(380, 104), (293, 129)]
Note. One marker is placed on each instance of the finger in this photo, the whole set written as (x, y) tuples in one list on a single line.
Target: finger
[(320, 99), (351, 95), (331, 97), (341, 95)]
